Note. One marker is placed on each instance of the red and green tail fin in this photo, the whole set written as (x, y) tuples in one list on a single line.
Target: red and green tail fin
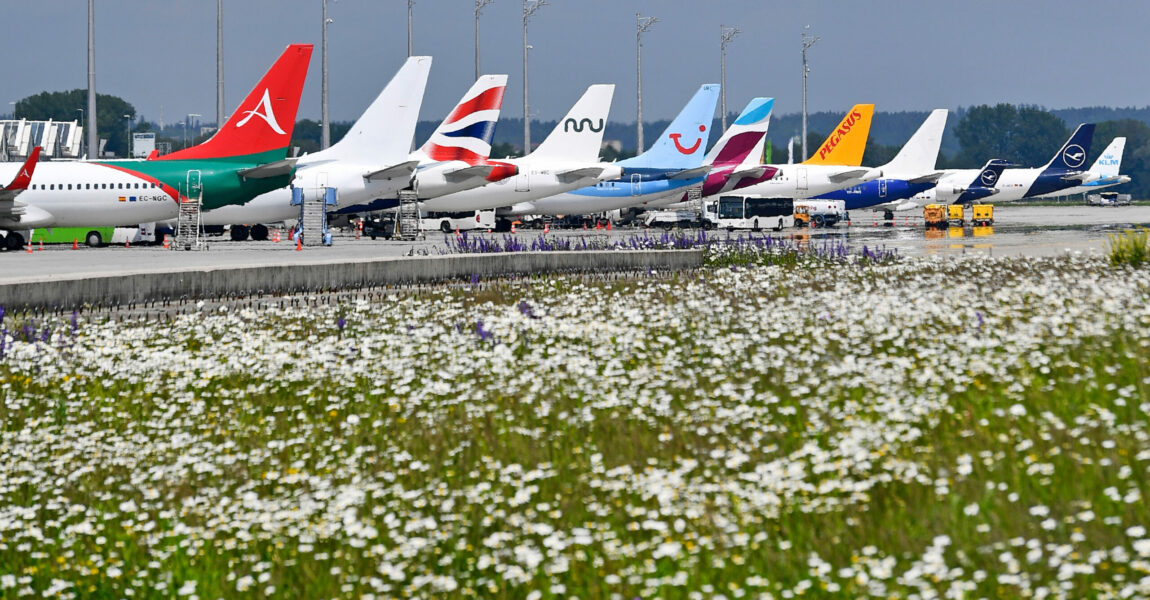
[(265, 119)]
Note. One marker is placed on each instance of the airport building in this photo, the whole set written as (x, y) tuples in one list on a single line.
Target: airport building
[(59, 139)]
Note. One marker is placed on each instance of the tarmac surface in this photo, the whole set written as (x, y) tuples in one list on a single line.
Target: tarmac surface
[(1018, 230)]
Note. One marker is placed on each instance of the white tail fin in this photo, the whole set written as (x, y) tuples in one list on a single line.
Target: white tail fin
[(1110, 162), (920, 153), (579, 135), (384, 131)]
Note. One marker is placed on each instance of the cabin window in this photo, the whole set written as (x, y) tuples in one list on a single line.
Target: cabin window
[(52, 186), (69, 186)]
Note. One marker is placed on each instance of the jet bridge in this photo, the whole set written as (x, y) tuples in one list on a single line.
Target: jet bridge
[(59, 139)]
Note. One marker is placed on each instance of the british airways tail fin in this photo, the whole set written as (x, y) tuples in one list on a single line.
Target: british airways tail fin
[(684, 142), (747, 133), (579, 135), (1072, 155), (263, 122), (467, 132), (1110, 162), (920, 153), (846, 144), (383, 133)]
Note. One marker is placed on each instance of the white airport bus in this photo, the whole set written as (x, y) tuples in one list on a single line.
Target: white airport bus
[(742, 212), (467, 220)]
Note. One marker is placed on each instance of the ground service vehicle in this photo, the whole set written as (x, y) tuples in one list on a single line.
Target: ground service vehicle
[(934, 216), (670, 219), (92, 236), (956, 214), (982, 215), (463, 220), (742, 212), (819, 213)]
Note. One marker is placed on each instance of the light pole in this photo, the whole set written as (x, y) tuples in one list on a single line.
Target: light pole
[(479, 4), (641, 24), (12, 103), (726, 34), (93, 135), (128, 128), (410, 5), (529, 8), (219, 65), (325, 128), (808, 41)]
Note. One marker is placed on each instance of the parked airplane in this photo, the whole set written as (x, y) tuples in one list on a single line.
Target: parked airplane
[(1103, 173), (371, 161), (1061, 172), (566, 160), (834, 165), (456, 156), (951, 184), (734, 160), (910, 172), (672, 164), (245, 158)]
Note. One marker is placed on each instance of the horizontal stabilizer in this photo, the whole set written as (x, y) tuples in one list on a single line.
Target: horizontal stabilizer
[(753, 172), (1077, 176), (272, 169), (692, 173), (476, 172), (842, 176), (404, 169), (929, 178), (577, 174)]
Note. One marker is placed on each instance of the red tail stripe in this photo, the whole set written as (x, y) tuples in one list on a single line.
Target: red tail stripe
[(438, 152), (490, 99)]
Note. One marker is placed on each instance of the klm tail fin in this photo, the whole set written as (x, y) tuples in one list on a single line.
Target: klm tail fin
[(846, 144), (1072, 155), (744, 136), (263, 122), (579, 135), (383, 133), (1110, 162), (467, 132), (684, 142), (919, 154)]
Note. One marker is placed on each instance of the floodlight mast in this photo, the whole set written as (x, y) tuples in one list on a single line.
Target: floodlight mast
[(808, 41), (642, 24), (726, 34), (479, 5), (529, 8)]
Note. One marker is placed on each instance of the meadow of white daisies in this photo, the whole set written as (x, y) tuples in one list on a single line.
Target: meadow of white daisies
[(955, 428)]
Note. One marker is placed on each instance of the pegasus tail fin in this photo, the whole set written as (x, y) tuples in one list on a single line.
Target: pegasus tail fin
[(579, 135), (467, 132), (263, 122), (846, 144), (919, 154), (747, 133), (383, 133), (684, 142)]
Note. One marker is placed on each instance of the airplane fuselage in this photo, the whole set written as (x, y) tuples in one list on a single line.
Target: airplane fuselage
[(536, 180)]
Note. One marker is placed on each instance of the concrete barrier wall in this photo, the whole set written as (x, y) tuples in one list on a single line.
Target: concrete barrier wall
[(71, 292)]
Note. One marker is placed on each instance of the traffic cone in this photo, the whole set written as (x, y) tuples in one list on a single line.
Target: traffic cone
[(608, 225), (546, 228), (513, 227), (75, 244), (127, 244), (276, 236), (167, 244), (29, 248), (41, 245), (598, 225), (298, 244), (457, 234)]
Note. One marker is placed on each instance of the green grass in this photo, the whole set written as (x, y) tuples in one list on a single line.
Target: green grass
[(1131, 247)]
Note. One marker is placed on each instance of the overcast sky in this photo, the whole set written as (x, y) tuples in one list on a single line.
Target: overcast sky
[(160, 54)]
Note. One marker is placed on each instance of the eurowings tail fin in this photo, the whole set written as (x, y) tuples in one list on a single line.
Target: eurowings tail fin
[(263, 122), (684, 142), (467, 132), (383, 133), (745, 137), (919, 154), (579, 135), (1110, 162), (846, 144), (1072, 155)]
